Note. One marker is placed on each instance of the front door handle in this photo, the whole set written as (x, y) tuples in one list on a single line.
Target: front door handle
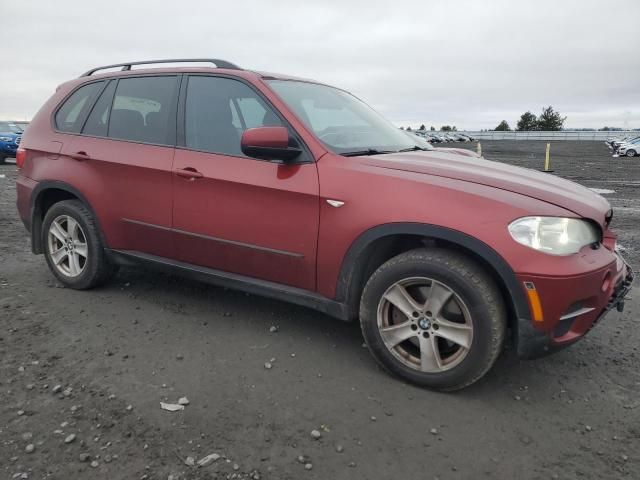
[(189, 172)]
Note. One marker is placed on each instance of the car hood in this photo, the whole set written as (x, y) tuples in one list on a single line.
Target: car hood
[(541, 186)]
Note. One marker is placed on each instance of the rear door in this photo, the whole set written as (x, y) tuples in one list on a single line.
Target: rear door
[(126, 147), (237, 214)]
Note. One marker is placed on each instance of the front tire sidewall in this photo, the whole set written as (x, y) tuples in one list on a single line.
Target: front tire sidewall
[(479, 355), (94, 245)]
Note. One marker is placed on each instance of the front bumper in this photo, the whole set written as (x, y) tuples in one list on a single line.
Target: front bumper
[(571, 307)]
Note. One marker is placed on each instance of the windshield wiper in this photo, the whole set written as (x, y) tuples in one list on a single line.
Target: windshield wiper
[(415, 148), (368, 151)]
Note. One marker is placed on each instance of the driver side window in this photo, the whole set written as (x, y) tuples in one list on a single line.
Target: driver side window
[(219, 110)]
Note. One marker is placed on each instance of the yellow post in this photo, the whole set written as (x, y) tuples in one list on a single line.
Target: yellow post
[(479, 149), (546, 158)]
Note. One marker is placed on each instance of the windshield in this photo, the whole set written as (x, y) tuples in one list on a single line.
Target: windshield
[(6, 127), (343, 123)]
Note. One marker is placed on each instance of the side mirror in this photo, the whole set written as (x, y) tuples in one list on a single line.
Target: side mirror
[(268, 143)]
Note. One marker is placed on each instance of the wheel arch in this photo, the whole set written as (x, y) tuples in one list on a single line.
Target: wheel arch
[(378, 244), (46, 194)]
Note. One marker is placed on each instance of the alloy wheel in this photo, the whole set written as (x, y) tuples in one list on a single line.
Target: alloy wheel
[(67, 246), (425, 324)]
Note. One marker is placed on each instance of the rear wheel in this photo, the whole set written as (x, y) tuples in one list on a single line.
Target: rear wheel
[(73, 247), (434, 318)]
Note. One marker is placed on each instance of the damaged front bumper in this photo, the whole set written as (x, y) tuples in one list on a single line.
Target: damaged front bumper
[(574, 323)]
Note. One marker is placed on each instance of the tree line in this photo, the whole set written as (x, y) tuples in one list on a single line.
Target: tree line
[(423, 128), (549, 120)]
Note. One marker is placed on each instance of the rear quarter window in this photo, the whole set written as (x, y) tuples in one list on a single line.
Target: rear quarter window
[(72, 112)]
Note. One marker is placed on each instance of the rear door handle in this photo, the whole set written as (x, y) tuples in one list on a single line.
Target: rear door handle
[(80, 156), (189, 172)]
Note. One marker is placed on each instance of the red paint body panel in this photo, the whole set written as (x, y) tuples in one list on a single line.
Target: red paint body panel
[(377, 195), (125, 181), (262, 205)]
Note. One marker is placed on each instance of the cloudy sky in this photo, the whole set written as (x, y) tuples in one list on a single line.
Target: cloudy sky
[(465, 63)]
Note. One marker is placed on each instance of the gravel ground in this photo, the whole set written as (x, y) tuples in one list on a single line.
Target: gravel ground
[(82, 375)]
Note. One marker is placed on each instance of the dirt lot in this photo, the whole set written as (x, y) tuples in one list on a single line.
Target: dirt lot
[(97, 365)]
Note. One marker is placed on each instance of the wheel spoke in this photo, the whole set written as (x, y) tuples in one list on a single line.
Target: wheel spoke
[(439, 295), (396, 334), (458, 333), (57, 231), (401, 299), (430, 360), (81, 249), (74, 264), (72, 228), (58, 255)]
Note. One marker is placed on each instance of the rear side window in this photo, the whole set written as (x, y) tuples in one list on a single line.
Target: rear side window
[(98, 122), (143, 109), (73, 111)]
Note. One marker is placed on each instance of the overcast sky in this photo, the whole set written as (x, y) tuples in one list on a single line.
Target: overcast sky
[(464, 63)]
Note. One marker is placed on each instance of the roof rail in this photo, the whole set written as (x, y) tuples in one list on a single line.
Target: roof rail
[(127, 66)]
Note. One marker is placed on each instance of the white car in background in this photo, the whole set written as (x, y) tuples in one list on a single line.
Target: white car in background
[(629, 149)]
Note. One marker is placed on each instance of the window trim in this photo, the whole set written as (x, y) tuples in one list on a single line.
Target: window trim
[(305, 157), (84, 124), (83, 115), (171, 129)]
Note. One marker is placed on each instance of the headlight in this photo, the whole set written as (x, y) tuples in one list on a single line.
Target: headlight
[(6, 139), (554, 235)]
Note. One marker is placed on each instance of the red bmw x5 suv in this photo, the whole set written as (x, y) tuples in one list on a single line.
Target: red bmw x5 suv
[(296, 190)]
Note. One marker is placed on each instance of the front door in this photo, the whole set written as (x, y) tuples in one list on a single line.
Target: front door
[(233, 213)]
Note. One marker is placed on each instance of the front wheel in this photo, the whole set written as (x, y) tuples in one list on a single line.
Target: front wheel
[(433, 317), (631, 153)]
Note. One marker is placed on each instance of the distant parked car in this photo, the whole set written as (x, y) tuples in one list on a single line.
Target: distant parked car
[(615, 143), (10, 135), (629, 149)]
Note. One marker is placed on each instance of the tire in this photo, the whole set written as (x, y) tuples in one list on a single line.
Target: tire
[(2, 157), (78, 262), (631, 153), (473, 314)]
